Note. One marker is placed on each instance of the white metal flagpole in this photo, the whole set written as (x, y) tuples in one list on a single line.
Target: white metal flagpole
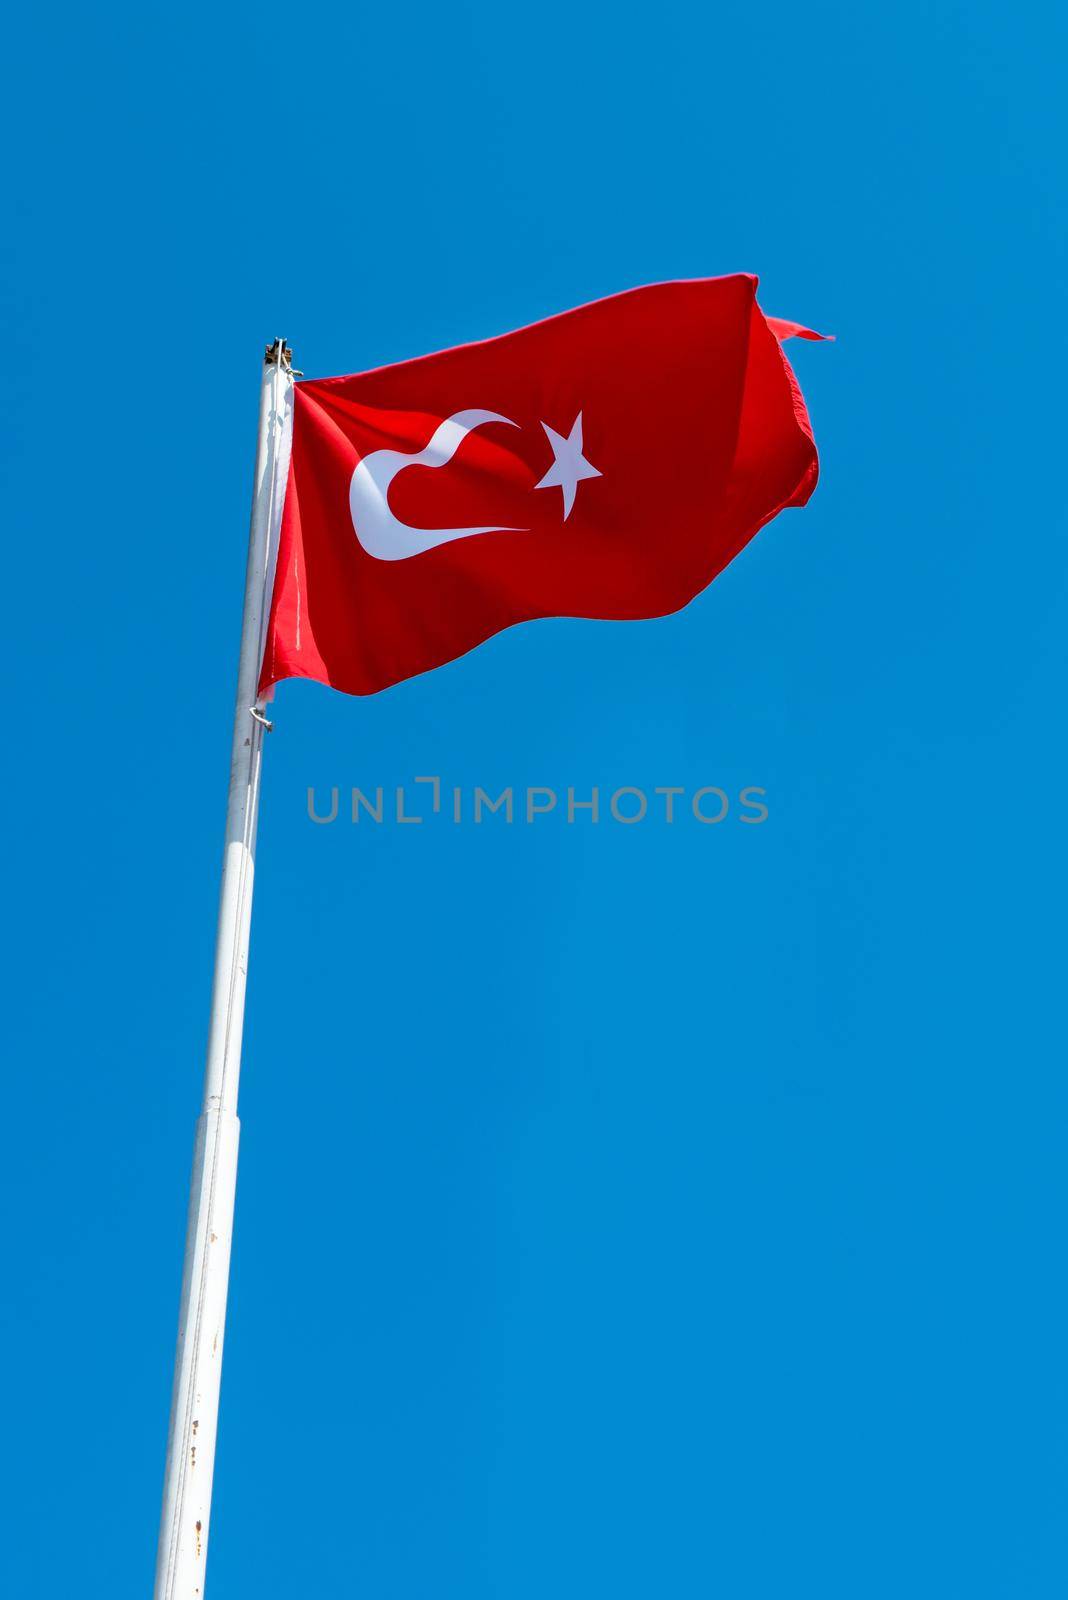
[(183, 1534)]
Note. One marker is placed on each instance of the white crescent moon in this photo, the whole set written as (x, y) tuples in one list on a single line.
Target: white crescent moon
[(382, 534)]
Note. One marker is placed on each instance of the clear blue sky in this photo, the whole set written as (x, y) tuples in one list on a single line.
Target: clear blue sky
[(622, 1211)]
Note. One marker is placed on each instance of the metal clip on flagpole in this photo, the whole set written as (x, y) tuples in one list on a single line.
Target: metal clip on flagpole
[(183, 1536)]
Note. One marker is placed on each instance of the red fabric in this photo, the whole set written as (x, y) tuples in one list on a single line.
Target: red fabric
[(691, 416), (793, 330)]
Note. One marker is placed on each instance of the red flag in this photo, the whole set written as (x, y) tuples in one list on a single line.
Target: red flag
[(608, 462)]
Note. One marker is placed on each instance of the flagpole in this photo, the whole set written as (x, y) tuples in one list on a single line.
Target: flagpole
[(183, 1534)]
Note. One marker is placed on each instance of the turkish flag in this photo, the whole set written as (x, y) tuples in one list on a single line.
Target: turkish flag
[(607, 462)]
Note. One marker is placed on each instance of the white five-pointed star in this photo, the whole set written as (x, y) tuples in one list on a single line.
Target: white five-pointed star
[(569, 464)]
